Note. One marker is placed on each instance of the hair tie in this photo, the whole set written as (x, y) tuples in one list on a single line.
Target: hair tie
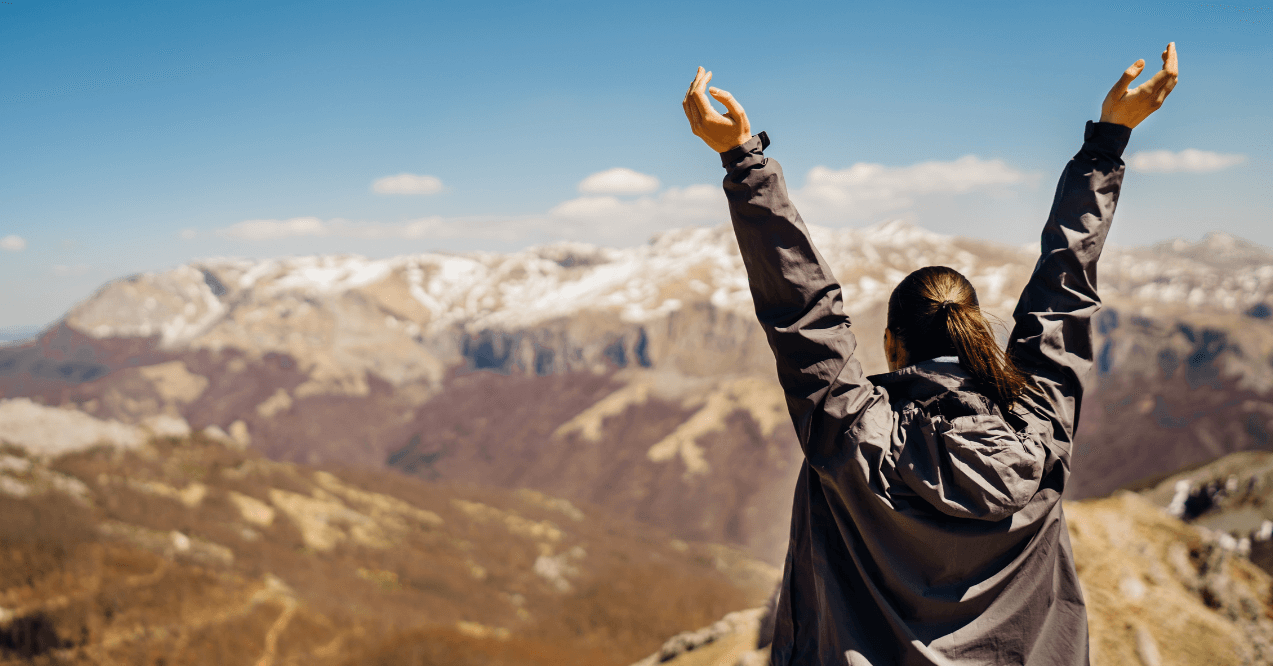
[(946, 307)]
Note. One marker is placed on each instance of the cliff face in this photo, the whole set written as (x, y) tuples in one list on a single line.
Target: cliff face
[(636, 379)]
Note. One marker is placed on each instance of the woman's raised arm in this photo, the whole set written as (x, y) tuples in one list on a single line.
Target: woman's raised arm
[(797, 298), (1052, 339)]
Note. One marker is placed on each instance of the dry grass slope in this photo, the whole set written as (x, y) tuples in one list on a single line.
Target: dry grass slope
[(191, 552)]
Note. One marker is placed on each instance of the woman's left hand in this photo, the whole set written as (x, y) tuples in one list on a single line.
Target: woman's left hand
[(719, 132), (1129, 107)]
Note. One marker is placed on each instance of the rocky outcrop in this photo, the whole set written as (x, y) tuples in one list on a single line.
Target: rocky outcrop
[(1161, 591), (1230, 498), (730, 639)]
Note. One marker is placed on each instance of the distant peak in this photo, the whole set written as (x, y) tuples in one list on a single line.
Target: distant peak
[(572, 254), (900, 232), (1220, 240), (1217, 247)]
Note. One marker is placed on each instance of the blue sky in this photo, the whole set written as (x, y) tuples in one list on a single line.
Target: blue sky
[(136, 136)]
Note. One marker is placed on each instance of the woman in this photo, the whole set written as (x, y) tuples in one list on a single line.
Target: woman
[(927, 525)]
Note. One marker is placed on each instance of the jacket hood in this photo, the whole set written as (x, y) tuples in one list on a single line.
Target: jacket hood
[(925, 380)]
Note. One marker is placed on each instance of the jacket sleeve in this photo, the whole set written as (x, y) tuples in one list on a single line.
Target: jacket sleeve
[(1052, 338), (799, 305)]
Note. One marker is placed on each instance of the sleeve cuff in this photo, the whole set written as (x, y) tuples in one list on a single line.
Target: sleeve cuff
[(1105, 138), (755, 145)]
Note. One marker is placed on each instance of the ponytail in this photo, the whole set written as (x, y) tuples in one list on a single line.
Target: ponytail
[(934, 312), (990, 367)]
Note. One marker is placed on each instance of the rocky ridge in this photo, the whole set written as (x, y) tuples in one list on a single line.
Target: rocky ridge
[(364, 311)]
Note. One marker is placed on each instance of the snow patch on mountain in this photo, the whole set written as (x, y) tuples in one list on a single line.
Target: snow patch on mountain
[(491, 290), (45, 431), (407, 317)]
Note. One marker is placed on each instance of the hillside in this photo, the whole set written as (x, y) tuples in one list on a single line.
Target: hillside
[(1231, 496), (197, 551), (635, 379), (1158, 592)]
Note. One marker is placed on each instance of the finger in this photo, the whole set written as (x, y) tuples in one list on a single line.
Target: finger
[(1164, 80), (696, 120), (1125, 80), (1155, 82), (700, 81), (1166, 89), (1169, 64), (692, 92), (735, 109), (689, 92), (701, 90), (701, 102), (693, 84), (1168, 84)]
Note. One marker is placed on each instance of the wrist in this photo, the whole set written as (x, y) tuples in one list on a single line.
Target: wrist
[(731, 144), (1109, 118)]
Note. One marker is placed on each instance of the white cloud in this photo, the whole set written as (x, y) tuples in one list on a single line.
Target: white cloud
[(258, 230), (606, 219), (1189, 160), (13, 243), (861, 192), (407, 183), (498, 228), (619, 181), (611, 219), (70, 271), (865, 190)]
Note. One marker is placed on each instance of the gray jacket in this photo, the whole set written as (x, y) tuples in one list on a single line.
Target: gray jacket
[(927, 525)]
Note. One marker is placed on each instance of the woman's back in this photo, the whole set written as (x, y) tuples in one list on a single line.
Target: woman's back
[(946, 547), (927, 526)]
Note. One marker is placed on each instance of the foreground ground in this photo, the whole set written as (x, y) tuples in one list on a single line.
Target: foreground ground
[(194, 552), (1159, 591)]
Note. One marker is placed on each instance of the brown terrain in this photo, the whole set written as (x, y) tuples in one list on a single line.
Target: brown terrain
[(634, 383), (191, 551), (197, 551)]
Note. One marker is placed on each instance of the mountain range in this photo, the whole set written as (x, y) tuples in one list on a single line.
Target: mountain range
[(635, 379)]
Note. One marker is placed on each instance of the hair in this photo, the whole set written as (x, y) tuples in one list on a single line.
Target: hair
[(934, 312)]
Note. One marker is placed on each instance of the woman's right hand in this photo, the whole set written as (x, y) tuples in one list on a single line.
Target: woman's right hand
[(1129, 107), (720, 132)]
